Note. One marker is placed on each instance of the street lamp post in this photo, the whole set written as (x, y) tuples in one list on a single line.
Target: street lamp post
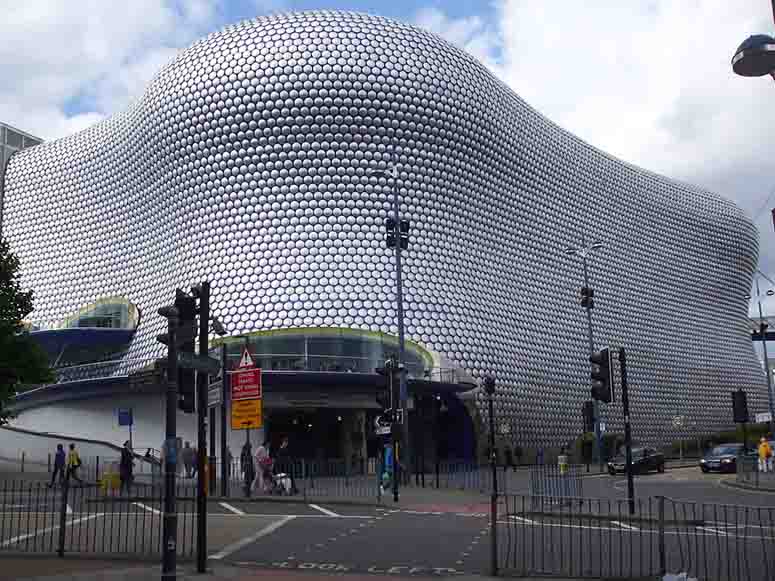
[(391, 173), (763, 336), (584, 252), (489, 389)]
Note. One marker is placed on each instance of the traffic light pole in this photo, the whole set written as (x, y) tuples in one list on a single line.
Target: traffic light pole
[(225, 463), (400, 313), (170, 517), (201, 412), (394, 433), (598, 450), (762, 332), (627, 431)]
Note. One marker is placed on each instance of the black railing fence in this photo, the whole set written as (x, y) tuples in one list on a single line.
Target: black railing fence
[(751, 472), (613, 538), (85, 519)]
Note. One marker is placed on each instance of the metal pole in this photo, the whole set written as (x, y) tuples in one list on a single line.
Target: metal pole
[(225, 462), (627, 432), (394, 432), (598, 451), (494, 496), (400, 314), (212, 460), (763, 334), (170, 523), (201, 411)]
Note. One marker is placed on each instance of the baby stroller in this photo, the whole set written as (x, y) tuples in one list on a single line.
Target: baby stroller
[(274, 483)]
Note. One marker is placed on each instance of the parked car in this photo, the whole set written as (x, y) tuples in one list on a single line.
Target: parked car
[(643, 460), (723, 458)]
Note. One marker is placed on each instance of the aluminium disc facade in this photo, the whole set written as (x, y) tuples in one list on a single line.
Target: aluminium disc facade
[(248, 161)]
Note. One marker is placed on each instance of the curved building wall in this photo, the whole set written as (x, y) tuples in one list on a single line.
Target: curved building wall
[(247, 162)]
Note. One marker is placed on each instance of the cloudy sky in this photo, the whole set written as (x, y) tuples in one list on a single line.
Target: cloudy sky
[(647, 80)]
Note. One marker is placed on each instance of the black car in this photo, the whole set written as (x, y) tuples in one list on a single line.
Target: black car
[(643, 460), (723, 458)]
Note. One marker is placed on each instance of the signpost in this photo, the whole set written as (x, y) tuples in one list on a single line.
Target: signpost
[(214, 396), (126, 418), (246, 395), (202, 363)]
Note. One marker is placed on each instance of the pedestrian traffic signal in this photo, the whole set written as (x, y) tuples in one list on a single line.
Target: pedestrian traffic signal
[(402, 231), (588, 411), (390, 232), (587, 297), (739, 406), (602, 384), (403, 228), (186, 306)]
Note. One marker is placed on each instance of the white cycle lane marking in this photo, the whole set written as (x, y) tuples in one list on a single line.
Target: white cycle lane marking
[(323, 510), (267, 530), (231, 508)]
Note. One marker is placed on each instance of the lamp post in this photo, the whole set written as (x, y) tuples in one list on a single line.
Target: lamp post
[(587, 302), (397, 238), (489, 389), (763, 336)]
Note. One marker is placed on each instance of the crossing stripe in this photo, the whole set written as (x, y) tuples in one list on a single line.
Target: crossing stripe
[(234, 547), (146, 507), (229, 507), (624, 526), (323, 510), (20, 538)]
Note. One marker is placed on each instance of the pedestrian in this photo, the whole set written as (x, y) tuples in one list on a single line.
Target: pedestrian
[(188, 458), (765, 455), (540, 457), (126, 468), (194, 462), (248, 468), (285, 462), (229, 462), (59, 465), (508, 459), (263, 466), (562, 461), (73, 464)]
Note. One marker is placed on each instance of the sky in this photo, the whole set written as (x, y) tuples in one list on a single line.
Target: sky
[(649, 81)]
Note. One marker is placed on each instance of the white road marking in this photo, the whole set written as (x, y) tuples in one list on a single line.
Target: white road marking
[(525, 520), (13, 540), (68, 510), (146, 507), (624, 526), (323, 510), (229, 507), (267, 530), (712, 530)]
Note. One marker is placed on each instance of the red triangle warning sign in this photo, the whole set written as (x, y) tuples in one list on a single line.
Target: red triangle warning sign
[(247, 360)]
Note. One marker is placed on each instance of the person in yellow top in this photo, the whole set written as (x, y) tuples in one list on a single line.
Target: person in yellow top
[(765, 455), (73, 463)]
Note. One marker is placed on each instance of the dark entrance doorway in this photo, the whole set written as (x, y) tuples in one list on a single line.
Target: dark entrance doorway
[(313, 434)]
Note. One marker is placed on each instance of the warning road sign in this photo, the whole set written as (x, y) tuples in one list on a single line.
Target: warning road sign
[(246, 414), (246, 384)]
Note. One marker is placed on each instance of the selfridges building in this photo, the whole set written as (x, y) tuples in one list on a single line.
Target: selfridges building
[(249, 161)]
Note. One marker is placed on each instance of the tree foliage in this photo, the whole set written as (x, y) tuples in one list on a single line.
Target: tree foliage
[(22, 361)]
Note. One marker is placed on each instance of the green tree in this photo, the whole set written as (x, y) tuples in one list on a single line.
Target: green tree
[(22, 361)]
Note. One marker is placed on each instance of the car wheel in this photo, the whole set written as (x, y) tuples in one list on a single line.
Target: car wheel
[(612, 472), (704, 470), (661, 468)]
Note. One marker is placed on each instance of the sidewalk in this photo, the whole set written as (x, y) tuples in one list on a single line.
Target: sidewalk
[(85, 570)]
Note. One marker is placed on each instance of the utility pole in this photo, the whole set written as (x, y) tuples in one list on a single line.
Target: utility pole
[(627, 431), (203, 290), (170, 515)]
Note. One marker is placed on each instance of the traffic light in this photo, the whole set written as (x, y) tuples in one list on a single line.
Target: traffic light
[(588, 411), (403, 233), (587, 297), (384, 393), (186, 306), (602, 384), (739, 406)]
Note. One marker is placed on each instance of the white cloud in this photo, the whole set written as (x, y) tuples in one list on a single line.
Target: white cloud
[(649, 82)]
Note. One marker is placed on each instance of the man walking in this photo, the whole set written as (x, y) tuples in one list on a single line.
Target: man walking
[(765, 455), (188, 459), (73, 464), (248, 468), (126, 468), (59, 466)]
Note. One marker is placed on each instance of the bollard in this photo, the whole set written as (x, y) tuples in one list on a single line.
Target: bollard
[(49, 462), (97, 470), (23, 457)]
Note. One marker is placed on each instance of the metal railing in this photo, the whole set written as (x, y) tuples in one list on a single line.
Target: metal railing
[(83, 519), (595, 538), (751, 472)]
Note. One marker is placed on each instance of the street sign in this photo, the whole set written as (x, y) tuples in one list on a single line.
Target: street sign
[(246, 414), (201, 363), (246, 361), (763, 418), (246, 384), (383, 419), (382, 431), (214, 392), (125, 417)]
